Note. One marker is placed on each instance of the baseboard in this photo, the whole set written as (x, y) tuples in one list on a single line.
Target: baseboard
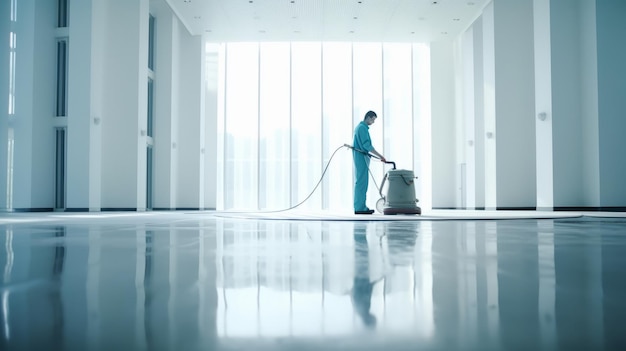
[(76, 209), (34, 209), (105, 209), (592, 209), (561, 208), (118, 209)]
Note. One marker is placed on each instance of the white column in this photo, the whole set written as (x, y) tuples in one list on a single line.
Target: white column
[(543, 104), (479, 115), (510, 124), (85, 79), (125, 106), (191, 123), (489, 109), (443, 137), (210, 143), (466, 140), (589, 105), (165, 108), (422, 126)]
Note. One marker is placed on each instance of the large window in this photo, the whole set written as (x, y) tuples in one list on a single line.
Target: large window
[(241, 127), (275, 124), (337, 124), (287, 108)]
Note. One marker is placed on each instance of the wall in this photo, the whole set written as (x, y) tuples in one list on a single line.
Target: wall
[(125, 106), (611, 29), (514, 93), (498, 115), (566, 103), (26, 136)]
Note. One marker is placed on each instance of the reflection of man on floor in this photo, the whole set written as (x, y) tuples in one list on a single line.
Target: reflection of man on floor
[(362, 288)]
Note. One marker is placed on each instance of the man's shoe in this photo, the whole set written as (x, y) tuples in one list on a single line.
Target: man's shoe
[(364, 212)]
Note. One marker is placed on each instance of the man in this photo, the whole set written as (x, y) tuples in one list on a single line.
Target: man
[(362, 144)]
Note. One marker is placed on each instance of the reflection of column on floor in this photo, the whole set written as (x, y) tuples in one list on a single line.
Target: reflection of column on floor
[(446, 293), (547, 284), (491, 273), (93, 285), (467, 277), (280, 278), (400, 262), (207, 291), (423, 281), (518, 292), (581, 291)]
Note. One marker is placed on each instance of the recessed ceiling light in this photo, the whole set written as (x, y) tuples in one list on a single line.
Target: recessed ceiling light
[(355, 17), (435, 2)]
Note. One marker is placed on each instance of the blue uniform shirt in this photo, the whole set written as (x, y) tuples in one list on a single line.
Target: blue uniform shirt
[(362, 139)]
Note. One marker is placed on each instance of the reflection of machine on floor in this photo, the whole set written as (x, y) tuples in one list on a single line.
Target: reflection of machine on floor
[(400, 198)]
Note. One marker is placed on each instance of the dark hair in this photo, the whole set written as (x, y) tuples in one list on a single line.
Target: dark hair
[(369, 114)]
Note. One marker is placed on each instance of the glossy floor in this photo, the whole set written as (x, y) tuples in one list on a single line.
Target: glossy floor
[(196, 281)]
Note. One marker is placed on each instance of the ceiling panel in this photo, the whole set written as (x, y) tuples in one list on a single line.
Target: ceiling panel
[(327, 20)]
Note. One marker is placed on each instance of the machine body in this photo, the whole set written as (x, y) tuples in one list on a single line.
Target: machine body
[(400, 197)]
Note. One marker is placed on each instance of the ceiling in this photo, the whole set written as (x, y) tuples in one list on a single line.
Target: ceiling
[(327, 20)]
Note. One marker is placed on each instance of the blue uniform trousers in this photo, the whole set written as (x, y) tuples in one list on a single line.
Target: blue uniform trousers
[(361, 163)]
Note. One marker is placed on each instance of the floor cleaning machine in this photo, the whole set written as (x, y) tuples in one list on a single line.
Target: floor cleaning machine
[(400, 197)]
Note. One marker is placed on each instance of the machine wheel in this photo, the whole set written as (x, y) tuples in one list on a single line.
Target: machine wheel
[(380, 205)]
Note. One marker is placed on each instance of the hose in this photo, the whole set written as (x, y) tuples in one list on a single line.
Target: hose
[(322, 178)]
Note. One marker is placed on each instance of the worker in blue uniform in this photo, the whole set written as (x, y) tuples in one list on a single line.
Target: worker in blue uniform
[(362, 147)]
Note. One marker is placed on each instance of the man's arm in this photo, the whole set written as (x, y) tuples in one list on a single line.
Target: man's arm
[(382, 158)]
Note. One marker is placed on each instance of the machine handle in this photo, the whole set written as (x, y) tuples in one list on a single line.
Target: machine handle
[(370, 155), (405, 181)]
